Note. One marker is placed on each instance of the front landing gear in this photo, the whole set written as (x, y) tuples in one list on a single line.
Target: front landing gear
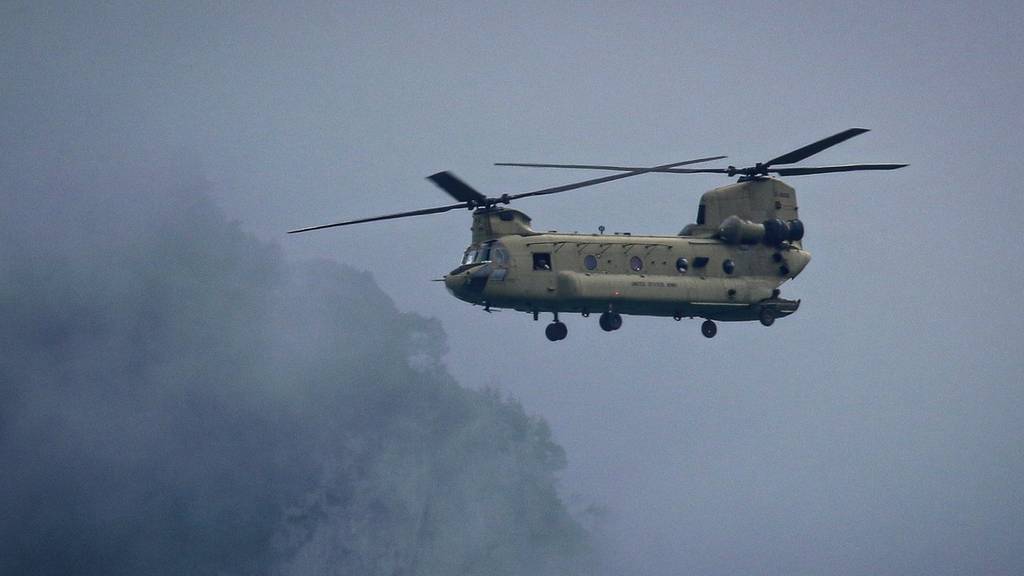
[(610, 321), (556, 331), (708, 329)]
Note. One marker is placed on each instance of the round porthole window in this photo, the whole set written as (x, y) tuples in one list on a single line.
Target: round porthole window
[(728, 266), (590, 262), (682, 265), (636, 263)]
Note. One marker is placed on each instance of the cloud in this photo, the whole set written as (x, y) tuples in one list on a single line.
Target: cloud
[(178, 397)]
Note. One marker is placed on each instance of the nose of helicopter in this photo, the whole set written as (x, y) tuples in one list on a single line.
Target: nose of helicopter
[(468, 284), (455, 284)]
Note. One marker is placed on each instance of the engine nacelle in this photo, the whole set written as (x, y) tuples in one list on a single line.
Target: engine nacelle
[(735, 230)]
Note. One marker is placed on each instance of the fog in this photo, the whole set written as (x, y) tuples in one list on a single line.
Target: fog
[(160, 150), (178, 397)]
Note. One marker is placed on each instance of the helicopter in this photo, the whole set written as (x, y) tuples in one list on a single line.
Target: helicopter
[(727, 266)]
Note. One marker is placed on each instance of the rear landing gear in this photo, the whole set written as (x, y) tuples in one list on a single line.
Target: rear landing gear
[(708, 329), (766, 316), (610, 321), (556, 331)]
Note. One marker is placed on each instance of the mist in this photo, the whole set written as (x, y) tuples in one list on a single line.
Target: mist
[(180, 398)]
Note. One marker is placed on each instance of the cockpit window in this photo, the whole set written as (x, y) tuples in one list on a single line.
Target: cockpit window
[(484, 253), (499, 254)]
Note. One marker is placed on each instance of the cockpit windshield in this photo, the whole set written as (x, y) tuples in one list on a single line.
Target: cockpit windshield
[(485, 252)]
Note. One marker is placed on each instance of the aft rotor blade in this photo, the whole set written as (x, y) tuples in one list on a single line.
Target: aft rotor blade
[(812, 149), (437, 210), (456, 188), (585, 183), (840, 168), (616, 168)]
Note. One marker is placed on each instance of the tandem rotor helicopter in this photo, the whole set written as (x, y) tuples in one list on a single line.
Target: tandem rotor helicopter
[(727, 266)]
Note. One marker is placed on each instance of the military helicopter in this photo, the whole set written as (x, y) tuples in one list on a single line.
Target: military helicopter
[(727, 266)]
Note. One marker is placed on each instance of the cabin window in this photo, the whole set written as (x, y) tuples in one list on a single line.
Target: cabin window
[(590, 262), (542, 261), (700, 214), (700, 262), (728, 266), (682, 265), (636, 264)]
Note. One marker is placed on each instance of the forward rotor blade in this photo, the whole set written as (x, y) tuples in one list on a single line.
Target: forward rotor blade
[(624, 168), (617, 168), (840, 168), (585, 183), (437, 210), (456, 188), (812, 149)]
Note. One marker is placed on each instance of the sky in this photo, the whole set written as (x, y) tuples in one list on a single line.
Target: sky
[(877, 430)]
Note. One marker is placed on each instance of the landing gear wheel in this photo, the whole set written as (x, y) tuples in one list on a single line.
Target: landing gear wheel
[(708, 329), (610, 321), (766, 316), (556, 331)]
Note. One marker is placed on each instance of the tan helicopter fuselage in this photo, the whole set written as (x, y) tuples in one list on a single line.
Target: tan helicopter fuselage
[(713, 271), (728, 265)]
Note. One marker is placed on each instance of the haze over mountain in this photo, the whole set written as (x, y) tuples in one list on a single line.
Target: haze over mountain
[(179, 398)]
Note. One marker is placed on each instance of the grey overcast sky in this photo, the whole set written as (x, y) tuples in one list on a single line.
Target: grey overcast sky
[(878, 430)]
